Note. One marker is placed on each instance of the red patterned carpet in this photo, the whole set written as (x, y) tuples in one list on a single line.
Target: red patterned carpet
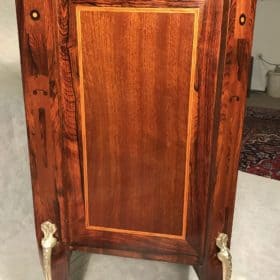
[(260, 153)]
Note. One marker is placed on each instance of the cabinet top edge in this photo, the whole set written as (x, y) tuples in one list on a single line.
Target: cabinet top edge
[(85, 8)]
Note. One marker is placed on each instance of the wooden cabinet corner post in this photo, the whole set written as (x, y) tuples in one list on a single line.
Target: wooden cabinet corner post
[(134, 112), (38, 48)]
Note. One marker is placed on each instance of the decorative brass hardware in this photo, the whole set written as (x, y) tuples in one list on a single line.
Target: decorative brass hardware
[(35, 15), (242, 19), (48, 242), (224, 255)]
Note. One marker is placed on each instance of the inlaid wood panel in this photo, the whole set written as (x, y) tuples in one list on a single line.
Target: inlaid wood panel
[(113, 118), (137, 112)]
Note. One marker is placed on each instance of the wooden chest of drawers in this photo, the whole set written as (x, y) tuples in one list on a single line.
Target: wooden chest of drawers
[(135, 112)]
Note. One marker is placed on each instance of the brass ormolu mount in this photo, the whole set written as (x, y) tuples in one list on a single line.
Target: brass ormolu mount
[(48, 243), (224, 255)]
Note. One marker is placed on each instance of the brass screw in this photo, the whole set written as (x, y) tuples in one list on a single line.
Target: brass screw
[(35, 15)]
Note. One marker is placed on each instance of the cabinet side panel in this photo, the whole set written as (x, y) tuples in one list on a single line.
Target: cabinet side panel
[(137, 76)]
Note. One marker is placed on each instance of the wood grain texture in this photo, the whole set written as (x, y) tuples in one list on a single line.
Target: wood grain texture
[(39, 72), (51, 75), (114, 240), (231, 108), (136, 122), (185, 259), (212, 13), (142, 3)]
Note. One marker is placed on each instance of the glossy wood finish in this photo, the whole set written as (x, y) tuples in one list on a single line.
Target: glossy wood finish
[(147, 246), (39, 73), (152, 246), (137, 89), (51, 75), (230, 109)]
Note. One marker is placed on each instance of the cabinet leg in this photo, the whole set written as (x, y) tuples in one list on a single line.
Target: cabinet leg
[(55, 260), (224, 255), (216, 266), (48, 243)]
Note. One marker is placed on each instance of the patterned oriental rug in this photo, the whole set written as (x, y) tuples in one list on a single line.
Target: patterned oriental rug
[(260, 153)]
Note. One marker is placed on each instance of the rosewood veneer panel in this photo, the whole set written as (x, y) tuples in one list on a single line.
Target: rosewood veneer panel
[(137, 84)]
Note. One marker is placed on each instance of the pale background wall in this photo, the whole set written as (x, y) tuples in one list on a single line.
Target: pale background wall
[(266, 40)]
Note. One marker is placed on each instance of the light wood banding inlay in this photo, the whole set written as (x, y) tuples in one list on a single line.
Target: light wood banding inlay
[(138, 117)]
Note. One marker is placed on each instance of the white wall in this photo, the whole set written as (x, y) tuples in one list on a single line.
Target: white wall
[(9, 53), (266, 40)]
